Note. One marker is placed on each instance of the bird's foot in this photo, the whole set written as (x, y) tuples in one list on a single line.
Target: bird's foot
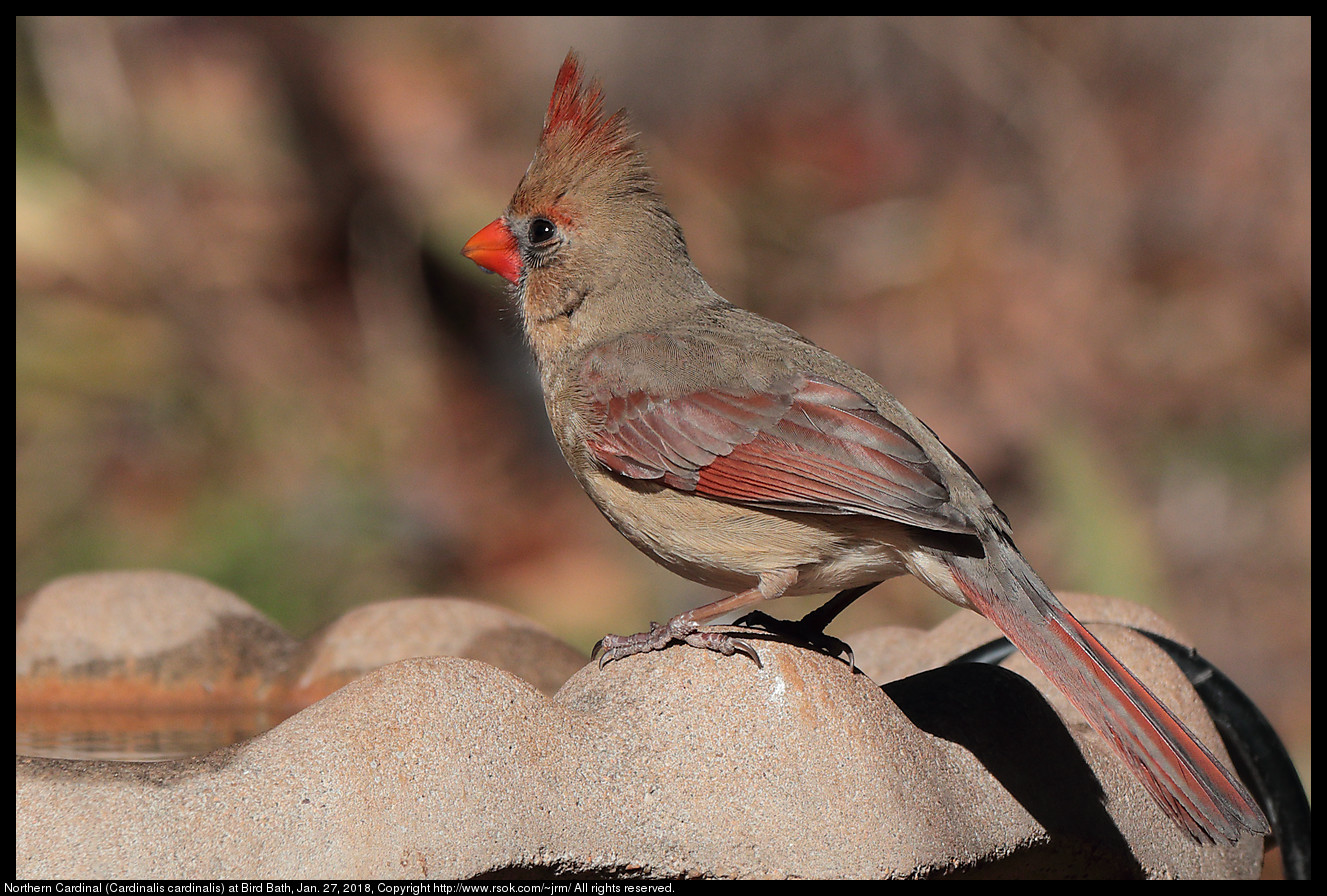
[(679, 628), (807, 630)]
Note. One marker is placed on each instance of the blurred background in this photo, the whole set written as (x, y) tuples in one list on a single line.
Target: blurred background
[(247, 346)]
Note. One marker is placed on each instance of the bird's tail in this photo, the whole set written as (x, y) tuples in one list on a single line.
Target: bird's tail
[(1191, 786)]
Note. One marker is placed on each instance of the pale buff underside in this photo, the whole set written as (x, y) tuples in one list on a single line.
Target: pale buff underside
[(726, 546)]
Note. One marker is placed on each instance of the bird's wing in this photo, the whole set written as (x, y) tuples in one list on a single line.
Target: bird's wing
[(808, 445)]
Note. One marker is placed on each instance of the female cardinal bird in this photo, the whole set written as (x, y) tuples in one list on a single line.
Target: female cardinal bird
[(738, 454)]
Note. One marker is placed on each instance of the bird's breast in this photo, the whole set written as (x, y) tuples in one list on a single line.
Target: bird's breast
[(725, 545)]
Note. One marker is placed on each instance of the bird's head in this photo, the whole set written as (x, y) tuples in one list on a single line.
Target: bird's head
[(586, 240)]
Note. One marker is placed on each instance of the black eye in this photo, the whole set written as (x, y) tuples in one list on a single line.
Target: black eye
[(541, 230)]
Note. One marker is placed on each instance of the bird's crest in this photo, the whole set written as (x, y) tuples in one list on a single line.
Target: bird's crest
[(576, 125), (586, 158), (576, 115)]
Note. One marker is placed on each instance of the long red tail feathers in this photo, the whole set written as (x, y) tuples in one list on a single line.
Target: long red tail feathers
[(1189, 784)]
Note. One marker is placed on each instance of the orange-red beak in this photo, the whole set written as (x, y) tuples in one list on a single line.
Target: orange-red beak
[(494, 249)]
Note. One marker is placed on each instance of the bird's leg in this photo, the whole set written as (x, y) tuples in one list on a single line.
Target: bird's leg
[(687, 627), (811, 627)]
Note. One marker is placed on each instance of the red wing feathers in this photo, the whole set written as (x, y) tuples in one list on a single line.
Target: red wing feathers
[(814, 447)]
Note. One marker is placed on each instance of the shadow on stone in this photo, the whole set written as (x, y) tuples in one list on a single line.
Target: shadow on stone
[(1008, 726)]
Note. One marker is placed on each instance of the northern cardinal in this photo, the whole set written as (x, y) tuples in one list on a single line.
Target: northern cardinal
[(740, 455)]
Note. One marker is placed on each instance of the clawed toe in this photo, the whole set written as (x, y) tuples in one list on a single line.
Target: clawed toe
[(615, 647), (723, 643)]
